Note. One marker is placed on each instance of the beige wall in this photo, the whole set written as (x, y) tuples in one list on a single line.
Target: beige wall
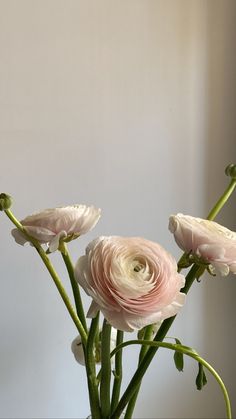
[(129, 105)]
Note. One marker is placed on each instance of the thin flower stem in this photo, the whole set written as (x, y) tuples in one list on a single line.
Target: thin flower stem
[(147, 336), (75, 287), (222, 200), (105, 371), (186, 351), (53, 274), (93, 332), (91, 369), (117, 372), (194, 272)]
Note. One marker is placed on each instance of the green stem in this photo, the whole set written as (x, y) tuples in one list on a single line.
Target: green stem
[(117, 372), (75, 287), (91, 369), (105, 370), (135, 382), (53, 274), (147, 336), (222, 200), (186, 351)]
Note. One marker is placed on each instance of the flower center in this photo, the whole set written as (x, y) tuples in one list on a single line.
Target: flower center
[(140, 270), (139, 267)]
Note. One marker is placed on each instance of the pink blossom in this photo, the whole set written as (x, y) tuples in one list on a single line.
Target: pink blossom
[(207, 240), (133, 281), (55, 224)]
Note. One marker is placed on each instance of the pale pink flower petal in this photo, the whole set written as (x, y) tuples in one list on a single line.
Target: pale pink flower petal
[(221, 268), (93, 310), (206, 239), (53, 225), (43, 235), (133, 281), (54, 243)]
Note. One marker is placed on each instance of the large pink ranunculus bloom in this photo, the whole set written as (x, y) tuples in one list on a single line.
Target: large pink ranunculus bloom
[(55, 224), (208, 240), (133, 281)]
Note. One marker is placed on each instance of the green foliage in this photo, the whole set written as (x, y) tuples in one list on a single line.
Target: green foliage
[(201, 379), (179, 357)]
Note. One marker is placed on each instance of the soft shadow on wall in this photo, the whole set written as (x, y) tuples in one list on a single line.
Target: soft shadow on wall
[(220, 336)]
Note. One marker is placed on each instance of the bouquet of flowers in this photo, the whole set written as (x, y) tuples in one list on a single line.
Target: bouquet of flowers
[(135, 284)]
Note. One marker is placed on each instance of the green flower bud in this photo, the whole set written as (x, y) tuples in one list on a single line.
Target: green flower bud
[(231, 171), (179, 357), (201, 379), (5, 201)]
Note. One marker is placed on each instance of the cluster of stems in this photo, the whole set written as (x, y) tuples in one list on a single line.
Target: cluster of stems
[(104, 403)]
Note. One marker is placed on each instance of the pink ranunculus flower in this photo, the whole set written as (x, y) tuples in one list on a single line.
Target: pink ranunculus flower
[(207, 240), (55, 224), (133, 281)]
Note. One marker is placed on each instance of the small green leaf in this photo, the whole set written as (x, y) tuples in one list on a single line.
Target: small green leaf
[(201, 379), (179, 358)]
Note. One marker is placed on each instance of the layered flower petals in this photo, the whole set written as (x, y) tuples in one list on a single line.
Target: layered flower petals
[(207, 240), (53, 225), (133, 281)]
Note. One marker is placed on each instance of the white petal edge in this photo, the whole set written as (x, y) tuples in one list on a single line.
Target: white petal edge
[(18, 236), (54, 243)]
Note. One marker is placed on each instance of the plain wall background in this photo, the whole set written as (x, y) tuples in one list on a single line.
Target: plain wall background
[(130, 106)]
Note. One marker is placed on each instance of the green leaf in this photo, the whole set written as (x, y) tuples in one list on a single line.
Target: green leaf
[(201, 379), (179, 358)]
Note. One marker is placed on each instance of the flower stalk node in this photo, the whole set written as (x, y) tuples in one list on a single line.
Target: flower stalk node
[(231, 171), (5, 201)]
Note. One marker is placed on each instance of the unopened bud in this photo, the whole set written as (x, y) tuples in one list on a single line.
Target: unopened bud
[(231, 171), (5, 201), (77, 348)]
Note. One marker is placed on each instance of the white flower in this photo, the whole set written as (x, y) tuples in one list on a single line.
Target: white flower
[(208, 240), (78, 352), (55, 224)]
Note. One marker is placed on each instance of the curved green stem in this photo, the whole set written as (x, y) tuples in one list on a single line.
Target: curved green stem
[(105, 370), (53, 274), (222, 200), (75, 287), (186, 351), (91, 369), (117, 372)]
